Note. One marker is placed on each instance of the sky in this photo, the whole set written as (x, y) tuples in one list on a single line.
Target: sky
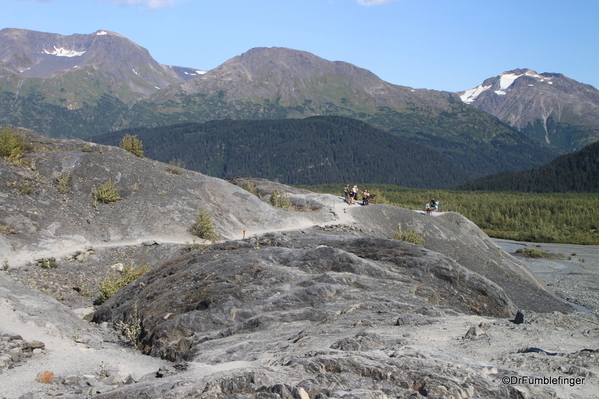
[(450, 45)]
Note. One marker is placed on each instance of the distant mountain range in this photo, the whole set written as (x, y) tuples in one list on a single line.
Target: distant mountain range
[(85, 85), (546, 107), (575, 172)]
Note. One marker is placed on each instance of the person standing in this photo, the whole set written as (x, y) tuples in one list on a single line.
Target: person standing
[(346, 193), (354, 194)]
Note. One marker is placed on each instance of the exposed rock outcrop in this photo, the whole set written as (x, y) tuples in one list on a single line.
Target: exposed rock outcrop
[(240, 286)]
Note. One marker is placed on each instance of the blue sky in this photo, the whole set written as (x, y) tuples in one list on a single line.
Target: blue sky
[(434, 44)]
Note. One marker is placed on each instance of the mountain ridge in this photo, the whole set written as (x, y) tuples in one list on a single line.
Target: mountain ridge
[(548, 107), (573, 172), (262, 84)]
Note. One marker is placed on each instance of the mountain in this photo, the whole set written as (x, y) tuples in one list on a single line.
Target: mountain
[(85, 85), (314, 150), (277, 83), (548, 107), (63, 85), (575, 172)]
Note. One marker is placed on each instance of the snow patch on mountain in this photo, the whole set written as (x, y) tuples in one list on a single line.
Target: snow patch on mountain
[(470, 95), (62, 52), (506, 80)]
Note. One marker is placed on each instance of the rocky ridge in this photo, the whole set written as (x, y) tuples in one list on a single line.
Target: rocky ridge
[(548, 107), (318, 303)]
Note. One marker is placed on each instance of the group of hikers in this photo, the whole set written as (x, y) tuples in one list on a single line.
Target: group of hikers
[(351, 195)]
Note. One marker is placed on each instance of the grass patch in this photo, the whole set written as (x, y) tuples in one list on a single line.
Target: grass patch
[(409, 235), (536, 254), (114, 282), (62, 180)]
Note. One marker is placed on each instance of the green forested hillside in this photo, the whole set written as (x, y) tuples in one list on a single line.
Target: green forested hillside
[(297, 151), (575, 172)]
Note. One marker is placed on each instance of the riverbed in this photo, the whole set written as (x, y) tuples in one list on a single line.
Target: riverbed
[(572, 275)]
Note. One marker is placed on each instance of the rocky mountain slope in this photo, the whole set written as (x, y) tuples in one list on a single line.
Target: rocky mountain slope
[(313, 303), (547, 107)]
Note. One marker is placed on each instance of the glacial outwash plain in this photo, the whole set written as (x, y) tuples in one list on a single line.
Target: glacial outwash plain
[(315, 302)]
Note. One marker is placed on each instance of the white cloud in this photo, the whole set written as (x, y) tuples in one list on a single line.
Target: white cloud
[(373, 2)]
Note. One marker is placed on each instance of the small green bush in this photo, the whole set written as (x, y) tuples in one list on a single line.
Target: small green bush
[(409, 235), (25, 188), (204, 227), (279, 199), (176, 167), (63, 179), (107, 193), (130, 330), (250, 187), (12, 145), (132, 144), (48, 263), (113, 283)]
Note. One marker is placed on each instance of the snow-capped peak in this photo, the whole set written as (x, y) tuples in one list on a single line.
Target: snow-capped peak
[(506, 80)]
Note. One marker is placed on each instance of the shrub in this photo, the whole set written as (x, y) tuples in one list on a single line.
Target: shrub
[(132, 144), (106, 193), (131, 330), (25, 188), (535, 254), (113, 283), (250, 187), (63, 179), (176, 167), (48, 263), (279, 199), (204, 227), (12, 145), (409, 235), (378, 197)]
